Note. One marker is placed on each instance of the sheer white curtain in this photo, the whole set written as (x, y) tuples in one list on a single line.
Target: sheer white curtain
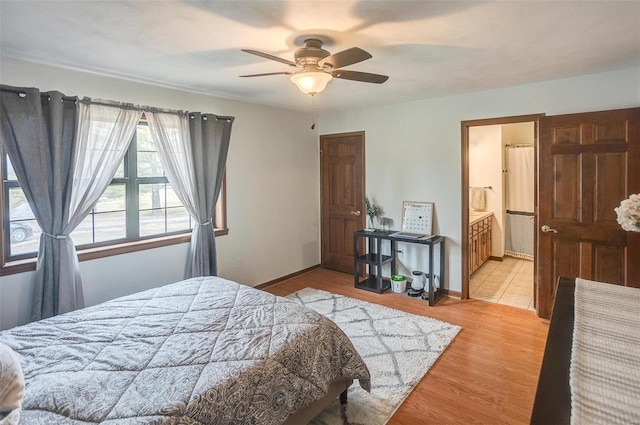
[(104, 135), (170, 133), (102, 138)]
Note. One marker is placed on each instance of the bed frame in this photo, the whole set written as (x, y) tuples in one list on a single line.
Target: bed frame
[(552, 404), (305, 415)]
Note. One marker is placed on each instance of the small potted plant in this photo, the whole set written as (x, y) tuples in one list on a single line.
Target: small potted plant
[(372, 210)]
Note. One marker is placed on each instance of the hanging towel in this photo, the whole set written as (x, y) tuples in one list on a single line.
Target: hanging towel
[(477, 198)]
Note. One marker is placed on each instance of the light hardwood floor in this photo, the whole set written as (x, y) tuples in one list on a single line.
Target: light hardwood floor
[(488, 375)]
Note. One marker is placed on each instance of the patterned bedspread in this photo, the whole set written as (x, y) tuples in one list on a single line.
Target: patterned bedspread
[(201, 351)]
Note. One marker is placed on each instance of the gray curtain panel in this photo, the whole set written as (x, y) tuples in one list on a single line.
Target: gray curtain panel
[(193, 151), (65, 153), (209, 136), (38, 131)]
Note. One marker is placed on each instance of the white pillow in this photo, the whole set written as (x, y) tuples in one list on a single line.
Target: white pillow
[(11, 386)]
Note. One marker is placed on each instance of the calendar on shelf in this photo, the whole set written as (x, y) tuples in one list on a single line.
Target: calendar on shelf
[(417, 217)]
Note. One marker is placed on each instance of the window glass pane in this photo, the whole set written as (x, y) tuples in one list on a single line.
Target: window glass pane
[(101, 227), (113, 199), (107, 221), (24, 237), (152, 222), (110, 226), (151, 195), (152, 201), (19, 208), (83, 234), (172, 198), (24, 232), (178, 219), (160, 210), (11, 174), (148, 160), (120, 171)]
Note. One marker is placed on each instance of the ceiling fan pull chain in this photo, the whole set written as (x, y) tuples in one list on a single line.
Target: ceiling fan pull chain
[(313, 113)]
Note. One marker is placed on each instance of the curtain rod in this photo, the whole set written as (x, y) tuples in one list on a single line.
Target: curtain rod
[(11, 90), (529, 214), (518, 145), (23, 93)]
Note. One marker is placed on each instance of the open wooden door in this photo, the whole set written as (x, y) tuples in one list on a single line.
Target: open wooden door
[(342, 193), (588, 163)]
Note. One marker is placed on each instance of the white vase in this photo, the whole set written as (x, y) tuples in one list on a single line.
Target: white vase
[(370, 220)]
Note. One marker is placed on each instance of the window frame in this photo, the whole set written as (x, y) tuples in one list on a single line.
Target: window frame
[(107, 249)]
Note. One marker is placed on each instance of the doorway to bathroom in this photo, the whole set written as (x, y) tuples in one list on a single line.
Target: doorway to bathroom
[(499, 210)]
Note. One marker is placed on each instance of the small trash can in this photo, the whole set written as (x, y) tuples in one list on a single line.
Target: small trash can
[(398, 283)]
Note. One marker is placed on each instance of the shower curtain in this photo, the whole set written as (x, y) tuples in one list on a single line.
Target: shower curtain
[(519, 202)]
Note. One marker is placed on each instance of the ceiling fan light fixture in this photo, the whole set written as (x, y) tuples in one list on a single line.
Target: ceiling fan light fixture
[(316, 67), (311, 82)]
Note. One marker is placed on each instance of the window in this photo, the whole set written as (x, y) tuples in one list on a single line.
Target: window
[(139, 205)]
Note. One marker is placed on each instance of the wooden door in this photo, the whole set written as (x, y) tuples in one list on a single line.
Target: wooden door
[(342, 197), (589, 162)]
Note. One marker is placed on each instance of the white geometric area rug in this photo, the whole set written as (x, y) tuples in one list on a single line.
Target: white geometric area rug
[(398, 347)]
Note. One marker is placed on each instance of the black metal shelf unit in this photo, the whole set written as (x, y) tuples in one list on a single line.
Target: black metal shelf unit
[(368, 266), (373, 261)]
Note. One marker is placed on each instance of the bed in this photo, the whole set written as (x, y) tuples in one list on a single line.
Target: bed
[(201, 351), (590, 371)]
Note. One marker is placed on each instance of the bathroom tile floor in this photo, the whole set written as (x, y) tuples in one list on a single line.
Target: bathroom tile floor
[(508, 282)]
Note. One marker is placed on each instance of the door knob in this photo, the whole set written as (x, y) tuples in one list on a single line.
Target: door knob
[(547, 229), (356, 213)]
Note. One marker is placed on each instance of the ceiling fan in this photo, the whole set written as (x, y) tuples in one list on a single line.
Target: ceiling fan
[(316, 66)]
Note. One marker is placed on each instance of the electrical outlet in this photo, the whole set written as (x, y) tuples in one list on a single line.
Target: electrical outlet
[(237, 263)]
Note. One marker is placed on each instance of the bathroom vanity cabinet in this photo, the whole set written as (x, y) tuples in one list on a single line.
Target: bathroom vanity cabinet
[(479, 239)]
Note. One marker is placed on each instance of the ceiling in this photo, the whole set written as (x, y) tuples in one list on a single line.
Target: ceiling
[(428, 48)]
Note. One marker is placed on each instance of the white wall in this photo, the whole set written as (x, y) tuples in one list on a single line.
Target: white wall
[(412, 153), (413, 149), (485, 169), (272, 193)]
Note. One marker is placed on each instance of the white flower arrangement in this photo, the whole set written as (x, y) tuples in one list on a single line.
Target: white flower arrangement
[(629, 213)]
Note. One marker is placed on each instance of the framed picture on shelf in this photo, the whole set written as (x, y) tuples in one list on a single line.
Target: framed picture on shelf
[(417, 217)]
